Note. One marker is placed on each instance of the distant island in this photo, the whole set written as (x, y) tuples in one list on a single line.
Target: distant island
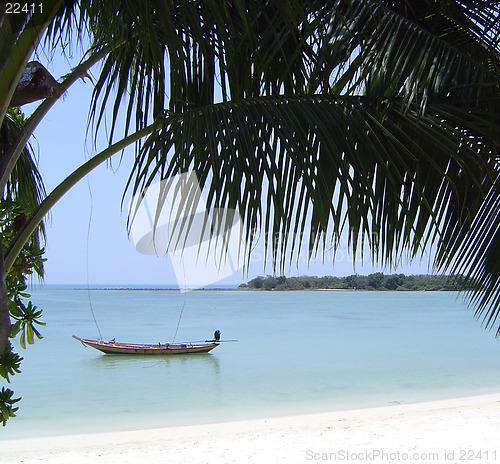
[(377, 281)]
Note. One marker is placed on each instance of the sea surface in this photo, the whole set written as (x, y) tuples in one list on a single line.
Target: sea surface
[(297, 352)]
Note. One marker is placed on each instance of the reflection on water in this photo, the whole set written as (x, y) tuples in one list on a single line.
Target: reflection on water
[(205, 361)]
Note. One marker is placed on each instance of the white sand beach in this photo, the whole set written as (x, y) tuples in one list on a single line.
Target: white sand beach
[(448, 431)]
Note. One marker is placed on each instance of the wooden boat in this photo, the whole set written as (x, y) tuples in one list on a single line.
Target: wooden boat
[(113, 347)]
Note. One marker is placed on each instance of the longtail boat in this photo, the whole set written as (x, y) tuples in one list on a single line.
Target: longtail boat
[(113, 347)]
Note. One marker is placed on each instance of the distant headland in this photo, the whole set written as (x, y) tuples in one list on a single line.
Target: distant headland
[(377, 281)]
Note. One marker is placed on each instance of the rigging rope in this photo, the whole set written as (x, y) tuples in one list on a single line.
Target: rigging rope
[(87, 261), (183, 304)]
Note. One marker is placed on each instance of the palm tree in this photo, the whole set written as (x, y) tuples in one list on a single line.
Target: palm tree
[(373, 118), (19, 34)]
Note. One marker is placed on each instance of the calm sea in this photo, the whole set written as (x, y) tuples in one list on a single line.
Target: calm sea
[(297, 352)]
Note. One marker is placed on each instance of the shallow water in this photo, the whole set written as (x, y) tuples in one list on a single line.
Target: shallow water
[(298, 352)]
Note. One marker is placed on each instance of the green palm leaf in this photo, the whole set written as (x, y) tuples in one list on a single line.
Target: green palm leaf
[(25, 183), (338, 159)]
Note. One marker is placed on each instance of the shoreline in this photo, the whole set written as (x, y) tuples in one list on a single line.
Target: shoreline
[(451, 430), (236, 289)]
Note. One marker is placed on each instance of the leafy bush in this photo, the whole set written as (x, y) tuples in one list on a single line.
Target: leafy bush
[(24, 315)]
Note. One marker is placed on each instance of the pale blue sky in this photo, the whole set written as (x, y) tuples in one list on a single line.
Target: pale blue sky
[(62, 144)]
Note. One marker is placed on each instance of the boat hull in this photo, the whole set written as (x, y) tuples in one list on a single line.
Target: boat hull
[(112, 347)]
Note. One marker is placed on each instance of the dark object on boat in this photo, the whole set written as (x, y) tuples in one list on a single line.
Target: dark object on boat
[(217, 335), (113, 347)]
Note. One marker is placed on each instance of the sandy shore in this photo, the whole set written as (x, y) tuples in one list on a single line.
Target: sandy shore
[(465, 430)]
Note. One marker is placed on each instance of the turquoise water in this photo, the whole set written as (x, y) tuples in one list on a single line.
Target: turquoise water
[(298, 352)]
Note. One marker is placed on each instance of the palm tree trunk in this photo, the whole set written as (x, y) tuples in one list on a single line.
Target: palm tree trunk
[(37, 216), (44, 207)]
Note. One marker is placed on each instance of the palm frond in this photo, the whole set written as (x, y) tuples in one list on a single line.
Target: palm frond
[(326, 162), (25, 184), (423, 51), (474, 257)]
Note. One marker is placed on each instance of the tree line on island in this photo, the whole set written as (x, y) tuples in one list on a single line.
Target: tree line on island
[(376, 281)]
